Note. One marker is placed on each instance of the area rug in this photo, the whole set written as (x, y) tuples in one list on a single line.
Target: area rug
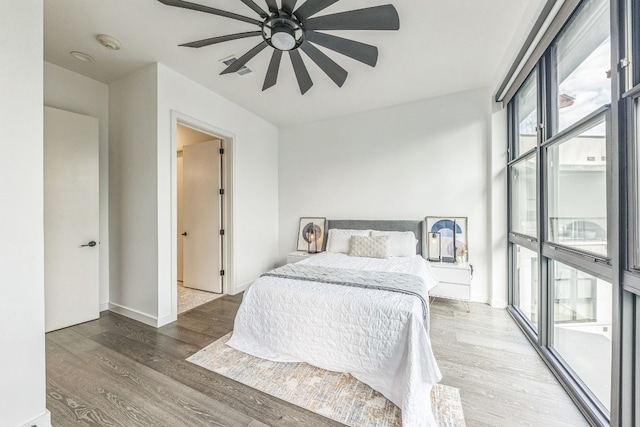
[(338, 396)]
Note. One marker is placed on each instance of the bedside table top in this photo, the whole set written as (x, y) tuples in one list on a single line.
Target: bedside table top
[(465, 265), (452, 266), (301, 253)]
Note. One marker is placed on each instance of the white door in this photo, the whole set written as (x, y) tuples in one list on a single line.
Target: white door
[(201, 216), (180, 227), (71, 221)]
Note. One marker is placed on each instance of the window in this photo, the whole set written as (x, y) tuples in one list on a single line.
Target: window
[(526, 283), (582, 63), (577, 190), (523, 196), (526, 116), (582, 326)]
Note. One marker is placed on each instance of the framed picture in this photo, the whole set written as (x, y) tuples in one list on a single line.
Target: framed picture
[(311, 234), (453, 236)]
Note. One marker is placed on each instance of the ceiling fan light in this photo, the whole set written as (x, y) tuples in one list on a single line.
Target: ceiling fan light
[(283, 38)]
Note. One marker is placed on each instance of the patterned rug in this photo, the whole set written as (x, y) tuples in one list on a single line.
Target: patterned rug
[(334, 395)]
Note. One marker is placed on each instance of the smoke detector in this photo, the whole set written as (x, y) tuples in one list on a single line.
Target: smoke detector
[(81, 56), (109, 42)]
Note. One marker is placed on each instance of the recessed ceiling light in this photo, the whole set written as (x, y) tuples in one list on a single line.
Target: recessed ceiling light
[(81, 56), (109, 42)]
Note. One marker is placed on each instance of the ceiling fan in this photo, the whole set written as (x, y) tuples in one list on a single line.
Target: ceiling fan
[(286, 29)]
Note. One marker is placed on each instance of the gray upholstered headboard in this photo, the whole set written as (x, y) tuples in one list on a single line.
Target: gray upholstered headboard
[(418, 228)]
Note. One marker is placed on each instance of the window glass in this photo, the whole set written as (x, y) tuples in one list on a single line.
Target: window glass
[(526, 283), (523, 196), (577, 191), (582, 326), (526, 115), (583, 58)]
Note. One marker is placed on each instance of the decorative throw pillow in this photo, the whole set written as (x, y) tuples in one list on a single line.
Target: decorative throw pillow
[(370, 247), (401, 243), (338, 240)]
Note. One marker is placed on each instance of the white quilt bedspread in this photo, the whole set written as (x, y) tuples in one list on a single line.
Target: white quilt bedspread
[(379, 337)]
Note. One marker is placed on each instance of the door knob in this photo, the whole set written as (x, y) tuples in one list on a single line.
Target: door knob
[(184, 234), (90, 244)]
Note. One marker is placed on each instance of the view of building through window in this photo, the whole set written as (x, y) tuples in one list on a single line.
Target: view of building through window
[(583, 55), (577, 191), (582, 326), (526, 264)]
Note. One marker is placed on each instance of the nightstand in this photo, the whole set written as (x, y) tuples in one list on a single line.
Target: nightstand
[(455, 281), (298, 256)]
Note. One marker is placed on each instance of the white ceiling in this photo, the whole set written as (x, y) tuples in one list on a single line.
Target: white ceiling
[(443, 46)]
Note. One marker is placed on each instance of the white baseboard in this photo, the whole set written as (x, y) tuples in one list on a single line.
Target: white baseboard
[(165, 320), (483, 299), (104, 306), (43, 420), (498, 303), (240, 288), (134, 314)]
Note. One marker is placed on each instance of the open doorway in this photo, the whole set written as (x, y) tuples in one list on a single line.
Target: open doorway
[(200, 172)]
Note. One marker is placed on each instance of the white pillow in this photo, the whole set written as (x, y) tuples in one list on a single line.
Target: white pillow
[(338, 240), (401, 243), (370, 247)]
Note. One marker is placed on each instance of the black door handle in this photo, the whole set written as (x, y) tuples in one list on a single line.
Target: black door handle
[(90, 244), (184, 234)]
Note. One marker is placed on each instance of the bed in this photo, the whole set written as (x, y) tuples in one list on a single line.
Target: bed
[(378, 336)]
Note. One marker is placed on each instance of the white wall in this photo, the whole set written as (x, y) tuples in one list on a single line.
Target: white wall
[(431, 157), (22, 359), (133, 199), (498, 184), (74, 92), (255, 179), (143, 278)]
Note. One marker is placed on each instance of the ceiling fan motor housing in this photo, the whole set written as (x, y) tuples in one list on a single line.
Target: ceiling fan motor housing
[(283, 32), (283, 37)]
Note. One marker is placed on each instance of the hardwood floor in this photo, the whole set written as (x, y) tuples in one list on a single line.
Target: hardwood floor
[(117, 372)]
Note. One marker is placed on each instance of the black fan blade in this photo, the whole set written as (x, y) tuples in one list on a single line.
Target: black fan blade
[(288, 6), (257, 9), (220, 39), (211, 10), (328, 65), (304, 80), (238, 63), (273, 6), (371, 18), (359, 51), (311, 7), (272, 71)]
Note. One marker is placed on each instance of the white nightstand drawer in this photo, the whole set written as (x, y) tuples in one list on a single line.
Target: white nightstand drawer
[(451, 290), (453, 275)]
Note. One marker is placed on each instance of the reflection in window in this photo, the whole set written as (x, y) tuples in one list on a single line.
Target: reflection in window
[(526, 283), (583, 55), (577, 191), (526, 114), (582, 326), (523, 196)]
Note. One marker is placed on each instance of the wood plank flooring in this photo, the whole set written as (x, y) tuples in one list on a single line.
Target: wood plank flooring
[(118, 372)]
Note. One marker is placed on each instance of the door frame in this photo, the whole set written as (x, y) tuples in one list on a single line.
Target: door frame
[(227, 262)]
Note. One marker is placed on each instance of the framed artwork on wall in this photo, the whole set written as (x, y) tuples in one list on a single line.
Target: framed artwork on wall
[(311, 234), (453, 237)]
